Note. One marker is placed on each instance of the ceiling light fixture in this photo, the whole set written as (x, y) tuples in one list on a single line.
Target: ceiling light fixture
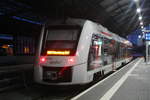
[(138, 10), (141, 23), (139, 36), (140, 17), (142, 27), (136, 0)]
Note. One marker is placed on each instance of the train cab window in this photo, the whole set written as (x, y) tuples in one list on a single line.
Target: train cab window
[(61, 38)]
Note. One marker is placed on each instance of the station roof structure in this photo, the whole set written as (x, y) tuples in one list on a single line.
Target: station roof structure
[(119, 16)]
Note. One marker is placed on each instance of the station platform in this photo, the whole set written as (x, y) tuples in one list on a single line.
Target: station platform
[(129, 83), (137, 84)]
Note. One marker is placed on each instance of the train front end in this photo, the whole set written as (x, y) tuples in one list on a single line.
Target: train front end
[(57, 62)]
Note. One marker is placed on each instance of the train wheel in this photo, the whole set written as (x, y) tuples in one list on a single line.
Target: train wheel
[(97, 76), (123, 63), (102, 73)]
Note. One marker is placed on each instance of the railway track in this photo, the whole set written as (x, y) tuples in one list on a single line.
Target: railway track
[(14, 77), (30, 91)]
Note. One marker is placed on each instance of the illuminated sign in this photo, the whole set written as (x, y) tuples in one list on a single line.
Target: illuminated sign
[(66, 52), (98, 42), (147, 36)]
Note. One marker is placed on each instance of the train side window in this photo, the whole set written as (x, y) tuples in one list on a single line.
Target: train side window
[(94, 56)]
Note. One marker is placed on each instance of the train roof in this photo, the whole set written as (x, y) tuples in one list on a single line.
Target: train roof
[(100, 28)]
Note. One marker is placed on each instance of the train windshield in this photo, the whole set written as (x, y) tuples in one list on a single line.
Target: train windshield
[(62, 39)]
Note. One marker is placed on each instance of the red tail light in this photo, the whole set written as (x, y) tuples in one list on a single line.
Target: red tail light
[(61, 53), (70, 60), (42, 60)]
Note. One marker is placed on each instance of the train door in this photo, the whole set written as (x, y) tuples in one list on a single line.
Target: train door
[(107, 51), (119, 51), (94, 57)]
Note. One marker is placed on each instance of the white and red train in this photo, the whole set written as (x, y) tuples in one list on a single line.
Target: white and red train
[(78, 51)]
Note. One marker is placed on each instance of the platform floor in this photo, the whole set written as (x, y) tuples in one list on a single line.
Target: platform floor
[(137, 84), (132, 82)]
